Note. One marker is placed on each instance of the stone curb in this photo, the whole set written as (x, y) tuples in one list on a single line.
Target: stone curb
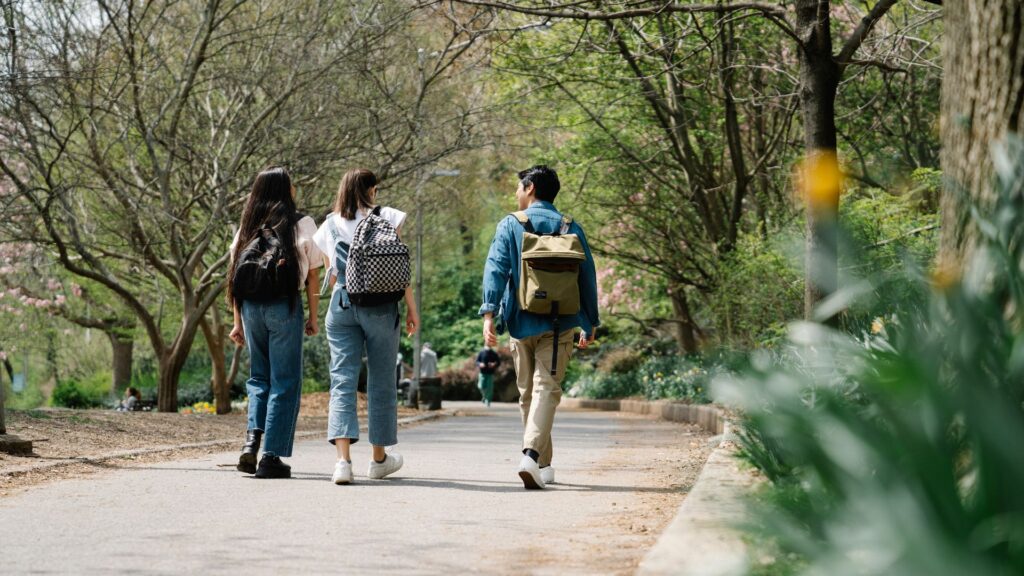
[(702, 539), (158, 449)]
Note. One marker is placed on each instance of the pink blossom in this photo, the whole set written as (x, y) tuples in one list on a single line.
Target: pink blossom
[(76, 290), (60, 300), (53, 285)]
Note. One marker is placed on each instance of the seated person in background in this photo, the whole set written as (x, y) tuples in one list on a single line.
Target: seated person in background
[(132, 400)]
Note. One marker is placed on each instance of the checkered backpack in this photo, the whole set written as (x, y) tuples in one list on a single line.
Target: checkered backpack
[(377, 270)]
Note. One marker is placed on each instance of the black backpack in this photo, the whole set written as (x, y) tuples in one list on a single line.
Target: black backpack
[(265, 271)]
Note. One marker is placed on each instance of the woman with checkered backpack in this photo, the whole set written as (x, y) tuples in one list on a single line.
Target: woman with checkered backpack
[(369, 274)]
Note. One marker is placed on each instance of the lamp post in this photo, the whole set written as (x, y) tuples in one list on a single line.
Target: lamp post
[(418, 337)]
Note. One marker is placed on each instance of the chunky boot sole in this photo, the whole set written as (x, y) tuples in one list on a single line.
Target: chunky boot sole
[(247, 463), (271, 473), (528, 481)]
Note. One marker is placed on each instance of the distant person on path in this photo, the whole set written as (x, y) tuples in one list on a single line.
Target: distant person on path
[(534, 345), (428, 361), (132, 399), (273, 258), (354, 329), (487, 362)]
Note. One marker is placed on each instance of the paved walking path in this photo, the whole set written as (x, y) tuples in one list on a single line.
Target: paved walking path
[(457, 506)]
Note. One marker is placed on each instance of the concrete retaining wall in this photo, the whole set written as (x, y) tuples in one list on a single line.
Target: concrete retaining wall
[(708, 416)]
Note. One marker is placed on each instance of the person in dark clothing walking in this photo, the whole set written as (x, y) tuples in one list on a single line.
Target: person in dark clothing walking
[(487, 361)]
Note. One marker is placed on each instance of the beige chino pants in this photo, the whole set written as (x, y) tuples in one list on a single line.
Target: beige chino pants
[(539, 391)]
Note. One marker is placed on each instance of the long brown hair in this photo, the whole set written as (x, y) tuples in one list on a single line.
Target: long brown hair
[(354, 192), (270, 205)]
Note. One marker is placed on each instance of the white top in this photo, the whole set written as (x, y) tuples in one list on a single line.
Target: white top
[(305, 246), (347, 228)]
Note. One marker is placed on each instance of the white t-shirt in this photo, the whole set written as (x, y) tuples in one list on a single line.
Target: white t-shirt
[(309, 255), (347, 228)]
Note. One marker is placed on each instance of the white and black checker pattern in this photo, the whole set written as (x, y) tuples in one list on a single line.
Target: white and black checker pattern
[(378, 262)]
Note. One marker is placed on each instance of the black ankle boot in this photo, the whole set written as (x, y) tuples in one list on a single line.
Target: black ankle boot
[(247, 461), (272, 467)]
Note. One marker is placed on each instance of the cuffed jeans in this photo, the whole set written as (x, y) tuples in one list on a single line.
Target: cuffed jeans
[(539, 391), (273, 334), (351, 331)]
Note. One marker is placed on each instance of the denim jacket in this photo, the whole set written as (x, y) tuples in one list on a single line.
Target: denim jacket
[(501, 277)]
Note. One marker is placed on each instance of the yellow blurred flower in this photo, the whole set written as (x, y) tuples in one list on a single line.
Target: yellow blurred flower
[(945, 275), (877, 326), (820, 181)]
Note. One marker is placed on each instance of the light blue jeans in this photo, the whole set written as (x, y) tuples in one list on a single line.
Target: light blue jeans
[(273, 334), (351, 331)]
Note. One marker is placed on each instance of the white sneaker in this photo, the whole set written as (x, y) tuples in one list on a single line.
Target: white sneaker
[(342, 472), (547, 474), (530, 473), (392, 463)]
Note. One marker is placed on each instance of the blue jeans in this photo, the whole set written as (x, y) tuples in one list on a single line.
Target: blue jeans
[(352, 330), (273, 334)]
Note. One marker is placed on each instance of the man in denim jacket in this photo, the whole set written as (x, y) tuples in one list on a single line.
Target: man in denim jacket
[(533, 334)]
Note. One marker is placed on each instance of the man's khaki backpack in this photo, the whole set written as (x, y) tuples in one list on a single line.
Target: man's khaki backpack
[(549, 273)]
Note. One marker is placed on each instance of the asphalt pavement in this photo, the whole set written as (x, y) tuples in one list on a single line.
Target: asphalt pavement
[(456, 507)]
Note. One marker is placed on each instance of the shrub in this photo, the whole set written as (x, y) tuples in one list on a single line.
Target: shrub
[(659, 377), (93, 392)]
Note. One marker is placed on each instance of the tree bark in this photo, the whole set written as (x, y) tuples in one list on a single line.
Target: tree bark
[(123, 349), (173, 360), (3, 396), (982, 101), (686, 329), (235, 362), (819, 82), (213, 333)]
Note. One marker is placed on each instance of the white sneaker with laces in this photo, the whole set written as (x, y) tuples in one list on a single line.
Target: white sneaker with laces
[(530, 473), (547, 474), (392, 463), (342, 472)]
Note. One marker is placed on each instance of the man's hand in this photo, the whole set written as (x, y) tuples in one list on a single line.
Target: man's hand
[(312, 326), (583, 341), (237, 335), (490, 336), (412, 322)]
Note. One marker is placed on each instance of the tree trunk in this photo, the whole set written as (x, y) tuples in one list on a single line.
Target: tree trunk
[(763, 187), (3, 397), (3, 394), (686, 329), (123, 349), (213, 333), (235, 361), (173, 360), (982, 100), (819, 81)]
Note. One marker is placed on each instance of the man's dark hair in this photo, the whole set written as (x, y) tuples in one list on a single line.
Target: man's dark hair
[(544, 180)]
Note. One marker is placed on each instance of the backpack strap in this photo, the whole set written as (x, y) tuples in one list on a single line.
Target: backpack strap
[(376, 210), (524, 220), (332, 227), (566, 223)]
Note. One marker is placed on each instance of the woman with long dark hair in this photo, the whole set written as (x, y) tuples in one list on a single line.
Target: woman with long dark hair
[(273, 258), (353, 330)]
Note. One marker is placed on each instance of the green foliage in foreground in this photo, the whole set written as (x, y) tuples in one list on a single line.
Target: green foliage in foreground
[(900, 453)]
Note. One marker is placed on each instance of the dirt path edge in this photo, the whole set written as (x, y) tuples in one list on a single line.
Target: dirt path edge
[(702, 539), (17, 471)]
